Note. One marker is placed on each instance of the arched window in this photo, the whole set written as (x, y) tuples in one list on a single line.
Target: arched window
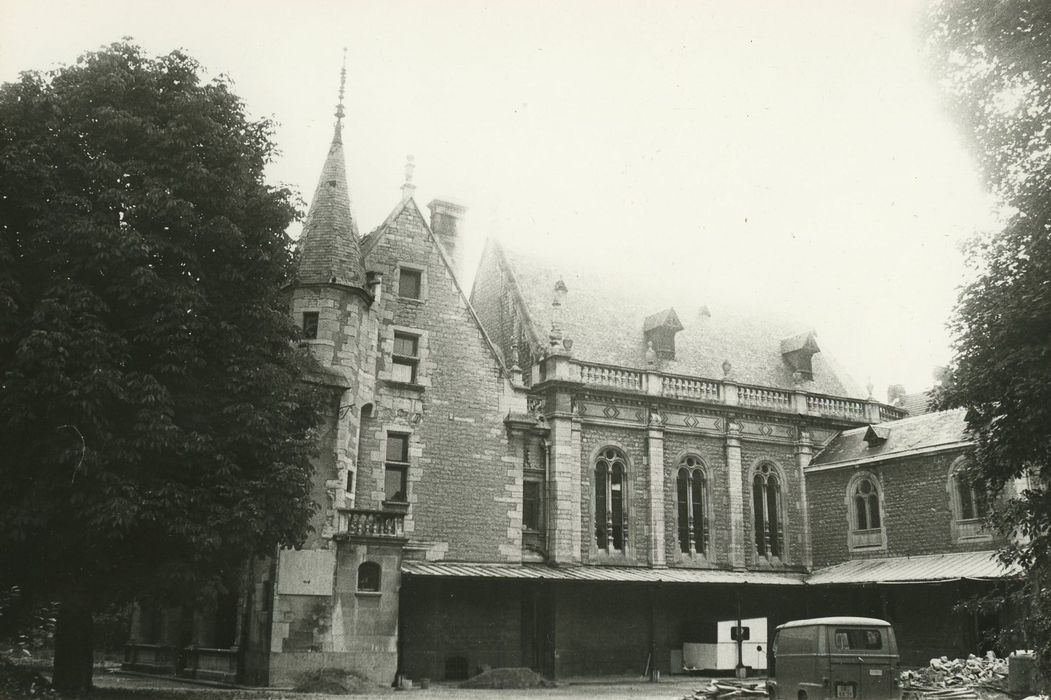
[(611, 531), (369, 577), (766, 509), (866, 523), (692, 488)]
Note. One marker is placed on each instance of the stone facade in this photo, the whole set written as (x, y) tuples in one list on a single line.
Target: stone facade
[(546, 474)]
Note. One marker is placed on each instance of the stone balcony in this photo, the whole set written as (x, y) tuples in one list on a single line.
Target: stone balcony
[(723, 392), (358, 522)]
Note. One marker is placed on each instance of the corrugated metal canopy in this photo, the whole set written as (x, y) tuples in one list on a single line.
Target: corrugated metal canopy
[(596, 573), (932, 568)]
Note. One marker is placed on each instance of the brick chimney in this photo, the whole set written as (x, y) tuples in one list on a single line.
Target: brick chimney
[(445, 222)]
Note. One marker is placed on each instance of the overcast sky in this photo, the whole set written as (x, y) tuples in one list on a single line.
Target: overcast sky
[(793, 155)]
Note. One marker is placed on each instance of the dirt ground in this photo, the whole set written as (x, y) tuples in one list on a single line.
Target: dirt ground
[(118, 686)]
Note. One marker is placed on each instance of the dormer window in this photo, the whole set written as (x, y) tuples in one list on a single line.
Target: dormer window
[(659, 331), (798, 351), (876, 435)]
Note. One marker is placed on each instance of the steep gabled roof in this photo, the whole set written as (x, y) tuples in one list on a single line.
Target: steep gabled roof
[(606, 311), (923, 434), (376, 235)]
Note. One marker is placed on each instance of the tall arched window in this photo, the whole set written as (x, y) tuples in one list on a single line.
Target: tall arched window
[(611, 532), (866, 523), (766, 509), (692, 488)]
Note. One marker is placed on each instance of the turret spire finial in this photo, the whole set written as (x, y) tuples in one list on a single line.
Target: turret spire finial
[(342, 87)]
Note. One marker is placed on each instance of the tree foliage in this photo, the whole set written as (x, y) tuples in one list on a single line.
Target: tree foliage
[(994, 60), (154, 430)]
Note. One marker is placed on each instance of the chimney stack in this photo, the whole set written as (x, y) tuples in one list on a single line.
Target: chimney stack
[(445, 223)]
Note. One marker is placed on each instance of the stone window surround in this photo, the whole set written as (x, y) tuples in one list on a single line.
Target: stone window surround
[(310, 322), (861, 541), (535, 470), (964, 530), (422, 270), (778, 471), (705, 471), (405, 466), (422, 354), (601, 555), (368, 568)]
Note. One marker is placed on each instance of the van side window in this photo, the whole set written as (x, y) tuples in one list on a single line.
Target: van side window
[(796, 640), (859, 639)]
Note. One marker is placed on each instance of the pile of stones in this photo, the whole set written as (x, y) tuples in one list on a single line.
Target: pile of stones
[(957, 678)]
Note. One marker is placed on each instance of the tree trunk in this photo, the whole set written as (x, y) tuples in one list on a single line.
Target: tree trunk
[(74, 649)]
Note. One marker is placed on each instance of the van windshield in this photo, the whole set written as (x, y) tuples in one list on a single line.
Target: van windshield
[(858, 639)]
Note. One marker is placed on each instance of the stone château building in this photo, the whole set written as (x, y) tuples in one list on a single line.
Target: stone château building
[(553, 470)]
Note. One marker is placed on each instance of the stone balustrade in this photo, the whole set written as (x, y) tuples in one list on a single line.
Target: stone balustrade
[(374, 523), (728, 393), (605, 375), (689, 388), (851, 409), (887, 413), (764, 398)]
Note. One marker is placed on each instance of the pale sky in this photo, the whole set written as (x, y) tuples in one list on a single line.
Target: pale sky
[(793, 155)]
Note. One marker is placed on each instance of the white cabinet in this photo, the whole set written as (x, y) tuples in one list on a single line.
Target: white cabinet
[(722, 656)]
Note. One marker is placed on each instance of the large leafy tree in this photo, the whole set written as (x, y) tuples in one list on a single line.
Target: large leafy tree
[(994, 61), (154, 428)]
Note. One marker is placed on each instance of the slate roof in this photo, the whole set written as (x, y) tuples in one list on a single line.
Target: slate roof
[(932, 568), (916, 434), (605, 313), (329, 250), (662, 319), (917, 404)]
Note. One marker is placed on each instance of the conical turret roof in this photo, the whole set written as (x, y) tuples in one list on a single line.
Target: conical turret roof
[(329, 249)]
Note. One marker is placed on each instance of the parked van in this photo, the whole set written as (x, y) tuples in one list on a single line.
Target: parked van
[(827, 658)]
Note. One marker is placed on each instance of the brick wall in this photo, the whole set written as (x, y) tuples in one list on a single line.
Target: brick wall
[(478, 620), (917, 509), (464, 488)]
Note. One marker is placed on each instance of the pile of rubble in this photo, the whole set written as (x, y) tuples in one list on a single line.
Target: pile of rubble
[(730, 689), (956, 678)]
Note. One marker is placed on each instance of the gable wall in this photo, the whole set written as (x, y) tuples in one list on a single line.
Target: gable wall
[(464, 489)]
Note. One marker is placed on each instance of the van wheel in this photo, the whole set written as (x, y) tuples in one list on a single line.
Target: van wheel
[(802, 695)]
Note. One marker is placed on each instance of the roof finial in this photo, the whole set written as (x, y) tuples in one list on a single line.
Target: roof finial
[(408, 188), (342, 88)]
